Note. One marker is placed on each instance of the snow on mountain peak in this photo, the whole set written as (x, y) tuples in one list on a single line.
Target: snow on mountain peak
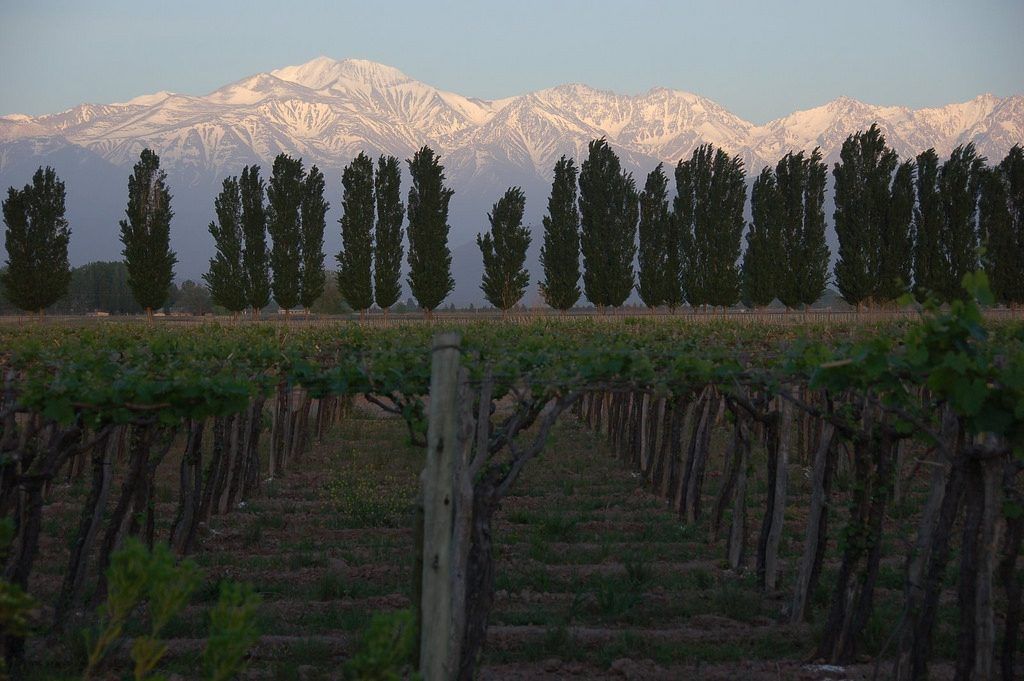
[(146, 100), (329, 110), (323, 72)]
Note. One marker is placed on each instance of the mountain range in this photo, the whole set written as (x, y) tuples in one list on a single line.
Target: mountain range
[(326, 111)]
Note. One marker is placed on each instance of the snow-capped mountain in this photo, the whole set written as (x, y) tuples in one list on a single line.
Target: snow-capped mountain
[(327, 111)]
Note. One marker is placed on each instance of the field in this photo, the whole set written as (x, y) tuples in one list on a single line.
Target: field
[(661, 500)]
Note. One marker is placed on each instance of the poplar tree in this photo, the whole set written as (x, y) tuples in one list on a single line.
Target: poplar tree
[(803, 267), (1001, 216), (927, 228), (313, 211), (711, 193), (146, 234), (356, 258), (659, 271), (504, 251), (959, 186), (37, 273), (896, 244), (226, 276), (560, 252), (608, 215), (285, 197), (387, 254), (862, 181), (255, 260), (430, 260), (763, 259)]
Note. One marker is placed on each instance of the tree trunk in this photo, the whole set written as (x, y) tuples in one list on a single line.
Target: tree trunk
[(784, 432), (817, 516), (88, 528), (737, 531), (189, 490), (1010, 578)]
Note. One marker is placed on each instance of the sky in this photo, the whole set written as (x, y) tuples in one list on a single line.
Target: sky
[(759, 59)]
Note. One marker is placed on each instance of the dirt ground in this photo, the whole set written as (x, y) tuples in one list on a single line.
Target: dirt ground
[(596, 578)]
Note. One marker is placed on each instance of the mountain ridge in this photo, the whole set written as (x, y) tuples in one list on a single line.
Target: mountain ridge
[(345, 106), (327, 111)]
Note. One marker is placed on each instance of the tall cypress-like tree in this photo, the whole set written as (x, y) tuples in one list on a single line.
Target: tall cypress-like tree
[(37, 235), (862, 186), (896, 255), (803, 272), (356, 258), (504, 251), (146, 234), (659, 271), (226, 276), (255, 259), (959, 187), (711, 192), (285, 197), (430, 260), (560, 252), (927, 229), (387, 253), (608, 215), (1001, 219), (313, 211), (763, 259)]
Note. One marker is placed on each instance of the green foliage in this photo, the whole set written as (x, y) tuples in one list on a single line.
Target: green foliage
[(609, 211), (430, 260), (137, 575), (862, 196), (805, 255), (226, 276), (233, 631), (285, 197), (659, 280), (254, 227), (195, 298), (331, 301), (927, 230), (356, 258), (36, 240), (504, 251), (560, 252), (1001, 226), (711, 192), (98, 286), (387, 648), (146, 233), (763, 258), (15, 605), (312, 211), (959, 188), (387, 253), (896, 257)]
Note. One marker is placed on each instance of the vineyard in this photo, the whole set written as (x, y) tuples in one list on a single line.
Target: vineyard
[(625, 498)]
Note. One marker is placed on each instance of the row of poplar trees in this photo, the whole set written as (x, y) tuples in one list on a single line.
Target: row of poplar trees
[(688, 249), (370, 261), (686, 252), (913, 226), (920, 225), (291, 209), (37, 235), (369, 265), (917, 226)]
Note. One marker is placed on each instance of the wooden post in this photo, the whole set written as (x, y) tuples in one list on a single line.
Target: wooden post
[(785, 428), (819, 507), (438, 481)]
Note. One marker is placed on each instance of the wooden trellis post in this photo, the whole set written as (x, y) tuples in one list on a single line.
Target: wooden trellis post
[(439, 495)]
